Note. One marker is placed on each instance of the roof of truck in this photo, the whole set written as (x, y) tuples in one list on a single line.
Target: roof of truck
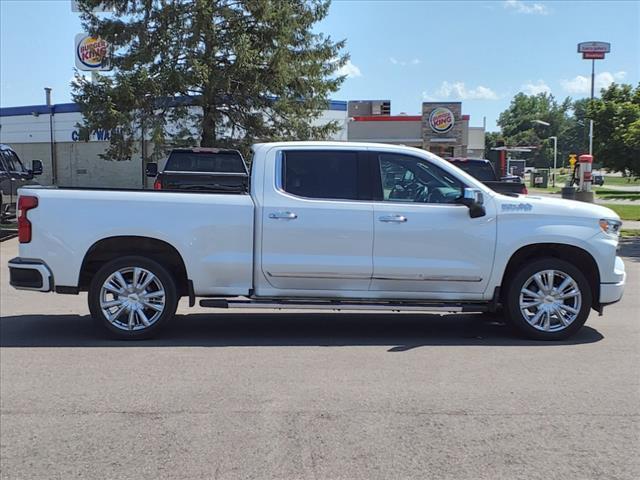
[(337, 144)]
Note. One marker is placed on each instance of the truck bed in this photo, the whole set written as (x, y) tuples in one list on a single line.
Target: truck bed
[(213, 232)]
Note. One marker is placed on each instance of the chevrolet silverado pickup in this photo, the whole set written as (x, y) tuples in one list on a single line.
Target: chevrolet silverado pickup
[(325, 225)]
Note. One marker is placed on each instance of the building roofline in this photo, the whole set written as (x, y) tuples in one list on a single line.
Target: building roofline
[(334, 105)]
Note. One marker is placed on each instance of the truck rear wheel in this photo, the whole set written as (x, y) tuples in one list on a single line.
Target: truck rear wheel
[(132, 297), (548, 299)]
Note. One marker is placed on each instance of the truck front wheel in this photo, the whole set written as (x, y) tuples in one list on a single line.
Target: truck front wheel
[(548, 299), (132, 297)]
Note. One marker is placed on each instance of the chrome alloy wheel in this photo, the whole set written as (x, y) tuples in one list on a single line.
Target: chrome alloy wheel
[(550, 300), (132, 298)]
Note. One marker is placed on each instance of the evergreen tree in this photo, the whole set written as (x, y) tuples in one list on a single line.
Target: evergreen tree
[(222, 73)]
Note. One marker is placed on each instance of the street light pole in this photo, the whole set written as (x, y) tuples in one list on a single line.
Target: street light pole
[(555, 159)]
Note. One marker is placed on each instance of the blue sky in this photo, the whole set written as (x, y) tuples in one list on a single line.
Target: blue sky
[(479, 52)]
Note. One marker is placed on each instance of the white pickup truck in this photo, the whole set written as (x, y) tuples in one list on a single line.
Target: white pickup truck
[(325, 225)]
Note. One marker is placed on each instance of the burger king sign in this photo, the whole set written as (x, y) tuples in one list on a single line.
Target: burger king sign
[(91, 53), (441, 120)]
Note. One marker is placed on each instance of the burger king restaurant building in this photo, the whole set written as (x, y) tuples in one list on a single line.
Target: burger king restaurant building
[(441, 128)]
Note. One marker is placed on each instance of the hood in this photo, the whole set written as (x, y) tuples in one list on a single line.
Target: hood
[(553, 206)]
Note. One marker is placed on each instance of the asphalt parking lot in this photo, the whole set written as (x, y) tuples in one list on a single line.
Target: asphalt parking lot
[(316, 395)]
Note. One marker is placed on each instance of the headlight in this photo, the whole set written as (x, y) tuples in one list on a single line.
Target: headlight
[(610, 227)]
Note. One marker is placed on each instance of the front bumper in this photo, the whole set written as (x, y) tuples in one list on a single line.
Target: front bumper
[(612, 292), (30, 274)]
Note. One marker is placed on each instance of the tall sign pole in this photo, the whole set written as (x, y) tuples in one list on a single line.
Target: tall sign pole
[(593, 51)]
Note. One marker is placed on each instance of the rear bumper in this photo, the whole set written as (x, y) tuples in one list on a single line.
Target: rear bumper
[(30, 274), (612, 292)]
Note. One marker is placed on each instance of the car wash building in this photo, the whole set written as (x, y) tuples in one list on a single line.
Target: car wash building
[(441, 127), (50, 133)]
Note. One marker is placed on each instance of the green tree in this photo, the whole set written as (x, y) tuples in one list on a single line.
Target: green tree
[(218, 72), (616, 134), (491, 140), (519, 127)]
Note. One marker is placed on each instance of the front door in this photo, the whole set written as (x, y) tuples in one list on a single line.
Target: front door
[(423, 240), (317, 223)]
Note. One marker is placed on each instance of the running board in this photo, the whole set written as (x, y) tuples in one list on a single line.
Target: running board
[(346, 306)]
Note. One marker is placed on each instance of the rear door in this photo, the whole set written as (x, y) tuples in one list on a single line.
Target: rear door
[(423, 240), (317, 221)]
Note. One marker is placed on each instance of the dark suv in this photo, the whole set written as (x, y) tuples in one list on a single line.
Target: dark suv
[(201, 169), (13, 175)]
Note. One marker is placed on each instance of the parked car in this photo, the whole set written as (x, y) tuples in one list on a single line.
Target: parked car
[(201, 169), (325, 225), (13, 175), (482, 169)]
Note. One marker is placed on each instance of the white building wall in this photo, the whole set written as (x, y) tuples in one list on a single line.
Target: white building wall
[(78, 162)]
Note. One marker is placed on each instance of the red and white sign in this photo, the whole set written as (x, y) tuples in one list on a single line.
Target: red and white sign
[(441, 120), (593, 56), (594, 47), (92, 54)]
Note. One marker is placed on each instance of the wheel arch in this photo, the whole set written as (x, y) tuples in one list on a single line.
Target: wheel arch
[(110, 248), (575, 255)]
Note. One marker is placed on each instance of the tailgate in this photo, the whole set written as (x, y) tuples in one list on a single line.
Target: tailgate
[(205, 182)]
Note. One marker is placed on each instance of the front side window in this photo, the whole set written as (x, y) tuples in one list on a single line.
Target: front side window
[(321, 174), (412, 179)]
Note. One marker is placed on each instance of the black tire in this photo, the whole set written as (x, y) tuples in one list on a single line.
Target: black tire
[(165, 281), (513, 289)]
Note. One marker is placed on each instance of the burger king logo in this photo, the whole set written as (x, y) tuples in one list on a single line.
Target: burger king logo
[(92, 52), (441, 120)]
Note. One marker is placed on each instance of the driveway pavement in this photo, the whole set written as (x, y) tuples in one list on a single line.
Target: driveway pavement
[(315, 395)]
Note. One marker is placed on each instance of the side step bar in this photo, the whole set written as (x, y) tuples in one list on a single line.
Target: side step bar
[(337, 306)]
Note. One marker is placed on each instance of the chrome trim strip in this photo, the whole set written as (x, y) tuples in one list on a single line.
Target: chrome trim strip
[(319, 275), (335, 275), (431, 278)]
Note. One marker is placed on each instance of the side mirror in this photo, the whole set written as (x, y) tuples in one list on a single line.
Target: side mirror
[(473, 199), (36, 167), (151, 170)]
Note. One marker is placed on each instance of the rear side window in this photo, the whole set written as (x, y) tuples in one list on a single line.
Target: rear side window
[(223, 162), (480, 170), (12, 161), (321, 174)]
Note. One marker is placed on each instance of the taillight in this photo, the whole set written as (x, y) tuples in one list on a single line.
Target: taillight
[(524, 190), (25, 203), (157, 185)]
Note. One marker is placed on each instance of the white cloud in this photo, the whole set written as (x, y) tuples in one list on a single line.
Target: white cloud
[(350, 70), (535, 88), (459, 91), (404, 63), (527, 8), (582, 85)]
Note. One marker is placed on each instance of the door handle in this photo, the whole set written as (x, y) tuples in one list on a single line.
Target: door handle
[(283, 215), (393, 218)]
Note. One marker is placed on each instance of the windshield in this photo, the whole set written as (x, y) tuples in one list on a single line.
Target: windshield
[(480, 170), (220, 162)]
